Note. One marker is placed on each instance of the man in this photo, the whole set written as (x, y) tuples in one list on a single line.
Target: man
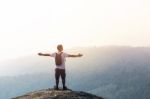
[(60, 58)]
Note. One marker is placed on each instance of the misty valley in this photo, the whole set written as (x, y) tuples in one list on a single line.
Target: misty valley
[(112, 72)]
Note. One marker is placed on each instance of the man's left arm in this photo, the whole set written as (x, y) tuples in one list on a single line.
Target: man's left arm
[(78, 55)]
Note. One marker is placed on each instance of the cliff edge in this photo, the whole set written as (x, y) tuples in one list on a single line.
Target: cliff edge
[(57, 94)]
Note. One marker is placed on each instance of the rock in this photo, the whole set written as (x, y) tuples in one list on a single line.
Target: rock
[(57, 94)]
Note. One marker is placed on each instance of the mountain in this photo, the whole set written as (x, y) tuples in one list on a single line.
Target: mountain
[(113, 72), (60, 94)]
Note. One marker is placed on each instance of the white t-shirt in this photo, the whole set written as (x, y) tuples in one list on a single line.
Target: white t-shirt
[(63, 56)]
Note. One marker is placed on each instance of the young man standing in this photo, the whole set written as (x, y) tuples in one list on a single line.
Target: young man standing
[(60, 58)]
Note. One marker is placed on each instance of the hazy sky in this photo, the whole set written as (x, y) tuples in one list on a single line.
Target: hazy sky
[(29, 26)]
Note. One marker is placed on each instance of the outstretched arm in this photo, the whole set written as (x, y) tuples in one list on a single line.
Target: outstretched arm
[(45, 54), (78, 55)]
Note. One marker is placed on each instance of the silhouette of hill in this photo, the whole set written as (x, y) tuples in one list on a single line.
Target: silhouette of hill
[(58, 94)]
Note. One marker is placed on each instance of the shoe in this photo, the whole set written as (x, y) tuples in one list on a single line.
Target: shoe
[(65, 88), (56, 88)]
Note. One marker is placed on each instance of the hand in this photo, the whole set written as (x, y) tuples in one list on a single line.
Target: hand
[(40, 54), (79, 55)]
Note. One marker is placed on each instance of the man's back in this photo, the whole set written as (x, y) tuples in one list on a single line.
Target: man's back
[(63, 59)]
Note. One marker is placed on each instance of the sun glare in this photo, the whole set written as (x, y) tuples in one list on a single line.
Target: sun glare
[(33, 25)]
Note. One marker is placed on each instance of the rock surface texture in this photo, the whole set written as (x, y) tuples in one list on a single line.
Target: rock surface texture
[(57, 94)]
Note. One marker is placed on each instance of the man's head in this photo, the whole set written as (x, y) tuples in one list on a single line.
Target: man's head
[(60, 47)]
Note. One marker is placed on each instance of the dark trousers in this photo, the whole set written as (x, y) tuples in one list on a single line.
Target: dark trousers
[(58, 73)]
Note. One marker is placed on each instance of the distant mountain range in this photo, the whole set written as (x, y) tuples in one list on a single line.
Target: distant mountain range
[(112, 72)]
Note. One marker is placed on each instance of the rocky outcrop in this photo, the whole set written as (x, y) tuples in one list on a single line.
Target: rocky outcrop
[(57, 94)]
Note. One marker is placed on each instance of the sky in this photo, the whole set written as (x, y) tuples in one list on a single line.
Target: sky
[(31, 26)]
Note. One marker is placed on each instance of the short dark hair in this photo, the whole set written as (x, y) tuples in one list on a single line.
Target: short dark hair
[(59, 47)]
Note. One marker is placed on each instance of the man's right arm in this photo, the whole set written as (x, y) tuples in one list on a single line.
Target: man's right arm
[(44, 54)]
